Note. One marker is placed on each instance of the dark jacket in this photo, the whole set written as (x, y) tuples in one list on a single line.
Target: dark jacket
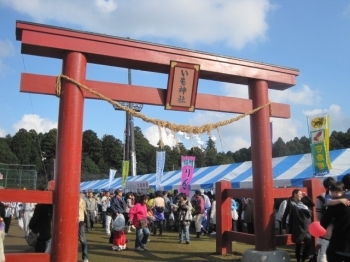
[(197, 202), (41, 221), (2, 210), (299, 219), (339, 215), (117, 205)]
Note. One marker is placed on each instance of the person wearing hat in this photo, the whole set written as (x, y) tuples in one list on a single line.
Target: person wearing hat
[(197, 202), (117, 204), (207, 203)]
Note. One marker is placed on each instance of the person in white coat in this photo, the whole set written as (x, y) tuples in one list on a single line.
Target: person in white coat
[(28, 210), (213, 216)]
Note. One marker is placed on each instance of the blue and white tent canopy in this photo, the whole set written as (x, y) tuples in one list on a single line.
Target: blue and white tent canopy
[(287, 171)]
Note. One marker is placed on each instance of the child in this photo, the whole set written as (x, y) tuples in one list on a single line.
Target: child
[(336, 190)]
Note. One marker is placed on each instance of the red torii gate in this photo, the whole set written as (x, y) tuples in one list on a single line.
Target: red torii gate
[(77, 48)]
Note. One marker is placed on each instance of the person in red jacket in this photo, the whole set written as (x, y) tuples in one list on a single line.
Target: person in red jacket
[(197, 202), (138, 217)]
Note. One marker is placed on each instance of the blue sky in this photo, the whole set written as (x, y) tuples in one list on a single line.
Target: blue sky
[(311, 36)]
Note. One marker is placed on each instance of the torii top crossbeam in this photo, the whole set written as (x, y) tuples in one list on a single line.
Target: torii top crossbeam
[(49, 41), (77, 48)]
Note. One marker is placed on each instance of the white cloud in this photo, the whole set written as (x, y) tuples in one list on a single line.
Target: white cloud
[(287, 129), (3, 132), (339, 121), (230, 137), (346, 11), (3, 68), (152, 135), (234, 23), (6, 49), (106, 6), (297, 95), (32, 121)]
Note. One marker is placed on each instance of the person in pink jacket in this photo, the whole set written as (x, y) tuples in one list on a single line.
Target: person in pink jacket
[(138, 217)]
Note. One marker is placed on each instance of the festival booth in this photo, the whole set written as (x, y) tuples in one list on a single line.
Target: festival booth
[(287, 171)]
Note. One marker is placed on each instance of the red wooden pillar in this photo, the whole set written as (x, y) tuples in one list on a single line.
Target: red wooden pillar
[(262, 168), (223, 217), (314, 189), (68, 156)]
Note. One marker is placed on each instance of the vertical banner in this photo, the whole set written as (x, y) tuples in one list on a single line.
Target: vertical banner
[(111, 176), (187, 170), (125, 172), (319, 126), (160, 161)]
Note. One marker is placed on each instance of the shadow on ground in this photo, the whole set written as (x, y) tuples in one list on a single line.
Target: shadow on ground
[(161, 248)]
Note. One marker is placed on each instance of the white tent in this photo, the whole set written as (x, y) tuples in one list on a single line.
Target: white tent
[(287, 171)]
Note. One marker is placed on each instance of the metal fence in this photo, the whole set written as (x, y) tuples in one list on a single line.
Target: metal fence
[(18, 176)]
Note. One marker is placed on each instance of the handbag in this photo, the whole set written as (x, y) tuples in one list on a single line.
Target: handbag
[(234, 214), (143, 222), (188, 216), (31, 239), (20, 223), (119, 223), (109, 211)]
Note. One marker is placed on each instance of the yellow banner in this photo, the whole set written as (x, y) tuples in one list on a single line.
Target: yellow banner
[(125, 173), (319, 127)]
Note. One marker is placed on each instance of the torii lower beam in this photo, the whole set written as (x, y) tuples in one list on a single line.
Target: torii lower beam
[(43, 84)]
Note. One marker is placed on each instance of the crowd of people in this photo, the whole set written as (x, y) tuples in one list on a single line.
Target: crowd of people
[(294, 216), (153, 213)]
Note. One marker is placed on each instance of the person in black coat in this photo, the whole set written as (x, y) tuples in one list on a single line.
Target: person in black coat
[(2, 210), (299, 220), (339, 215), (40, 224)]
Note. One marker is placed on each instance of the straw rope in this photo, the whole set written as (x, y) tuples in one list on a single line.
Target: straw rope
[(206, 128)]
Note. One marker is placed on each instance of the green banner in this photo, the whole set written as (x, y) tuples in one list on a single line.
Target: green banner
[(319, 157), (125, 172)]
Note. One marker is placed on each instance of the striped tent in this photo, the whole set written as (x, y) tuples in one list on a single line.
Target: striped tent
[(287, 171)]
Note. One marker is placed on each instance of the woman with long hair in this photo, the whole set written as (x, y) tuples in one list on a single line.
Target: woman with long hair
[(184, 209), (129, 202), (138, 216)]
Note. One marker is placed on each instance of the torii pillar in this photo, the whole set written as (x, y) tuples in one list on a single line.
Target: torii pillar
[(262, 167), (68, 159), (77, 48)]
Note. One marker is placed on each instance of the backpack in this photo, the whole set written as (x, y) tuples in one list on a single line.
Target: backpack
[(323, 208)]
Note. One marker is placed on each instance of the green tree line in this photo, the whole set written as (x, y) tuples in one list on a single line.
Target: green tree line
[(99, 155)]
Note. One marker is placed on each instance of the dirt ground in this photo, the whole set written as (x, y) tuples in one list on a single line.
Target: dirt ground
[(161, 248)]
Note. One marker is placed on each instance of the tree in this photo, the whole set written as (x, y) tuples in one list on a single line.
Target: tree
[(92, 146), (222, 159), (89, 169), (25, 146), (210, 153), (48, 152), (279, 148), (145, 153), (6, 155), (199, 154), (244, 154), (112, 152), (305, 141)]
